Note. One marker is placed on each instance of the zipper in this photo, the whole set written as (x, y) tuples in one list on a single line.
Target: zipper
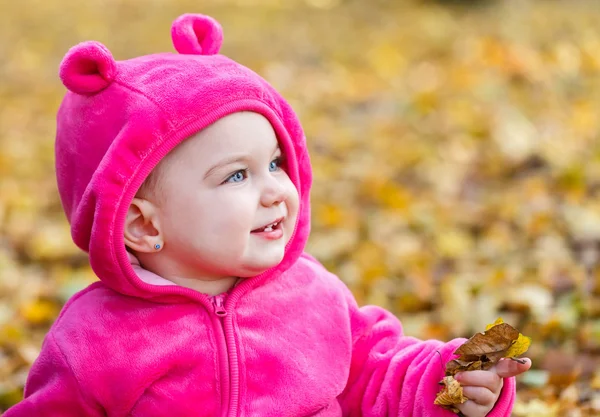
[(219, 305), (227, 357)]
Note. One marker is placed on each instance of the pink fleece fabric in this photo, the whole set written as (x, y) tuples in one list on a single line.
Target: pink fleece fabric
[(292, 341)]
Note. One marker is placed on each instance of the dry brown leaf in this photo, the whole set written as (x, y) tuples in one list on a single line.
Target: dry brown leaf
[(455, 366), (451, 395), (489, 346)]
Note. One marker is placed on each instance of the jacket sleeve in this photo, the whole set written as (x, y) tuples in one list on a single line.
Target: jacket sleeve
[(51, 389), (395, 375)]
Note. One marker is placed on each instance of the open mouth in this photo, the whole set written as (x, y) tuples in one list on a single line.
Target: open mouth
[(269, 227)]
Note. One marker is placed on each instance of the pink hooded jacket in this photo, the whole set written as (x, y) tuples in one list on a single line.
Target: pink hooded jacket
[(289, 342)]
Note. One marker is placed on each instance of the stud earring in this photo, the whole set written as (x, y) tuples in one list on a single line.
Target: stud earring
[(157, 246)]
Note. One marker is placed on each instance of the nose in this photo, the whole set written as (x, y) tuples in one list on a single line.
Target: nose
[(273, 192)]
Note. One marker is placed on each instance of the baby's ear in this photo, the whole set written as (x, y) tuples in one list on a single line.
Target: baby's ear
[(142, 230)]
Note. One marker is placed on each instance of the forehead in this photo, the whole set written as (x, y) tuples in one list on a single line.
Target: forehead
[(242, 133)]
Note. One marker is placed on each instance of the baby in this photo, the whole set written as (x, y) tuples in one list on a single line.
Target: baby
[(186, 178)]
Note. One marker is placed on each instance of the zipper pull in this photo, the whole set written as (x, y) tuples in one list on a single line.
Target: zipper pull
[(219, 308)]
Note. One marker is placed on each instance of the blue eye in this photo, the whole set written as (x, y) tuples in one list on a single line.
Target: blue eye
[(275, 164), (237, 176)]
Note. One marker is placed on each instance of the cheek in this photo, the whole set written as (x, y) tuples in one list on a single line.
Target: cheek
[(231, 212), (293, 200), (219, 215), (181, 221)]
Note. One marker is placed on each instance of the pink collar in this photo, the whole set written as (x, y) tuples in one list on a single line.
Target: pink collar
[(151, 278), (145, 275)]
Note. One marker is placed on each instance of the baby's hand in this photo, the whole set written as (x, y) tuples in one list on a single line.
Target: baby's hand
[(483, 387)]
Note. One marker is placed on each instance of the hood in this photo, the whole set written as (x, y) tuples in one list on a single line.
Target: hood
[(120, 118)]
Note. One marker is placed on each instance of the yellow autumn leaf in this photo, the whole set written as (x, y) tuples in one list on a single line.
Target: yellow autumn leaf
[(497, 322), (519, 347)]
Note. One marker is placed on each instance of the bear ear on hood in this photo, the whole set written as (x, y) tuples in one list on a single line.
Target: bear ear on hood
[(196, 34), (87, 68)]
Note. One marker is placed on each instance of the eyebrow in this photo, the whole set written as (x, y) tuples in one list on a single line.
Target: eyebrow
[(232, 160)]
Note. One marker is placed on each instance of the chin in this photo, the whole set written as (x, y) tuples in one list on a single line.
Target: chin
[(259, 268)]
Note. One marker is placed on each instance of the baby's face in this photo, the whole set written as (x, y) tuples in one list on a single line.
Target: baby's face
[(227, 205)]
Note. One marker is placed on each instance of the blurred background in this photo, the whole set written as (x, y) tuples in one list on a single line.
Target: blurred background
[(456, 154)]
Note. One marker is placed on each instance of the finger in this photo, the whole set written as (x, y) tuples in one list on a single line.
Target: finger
[(506, 367), (480, 395), (486, 379), (471, 408)]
